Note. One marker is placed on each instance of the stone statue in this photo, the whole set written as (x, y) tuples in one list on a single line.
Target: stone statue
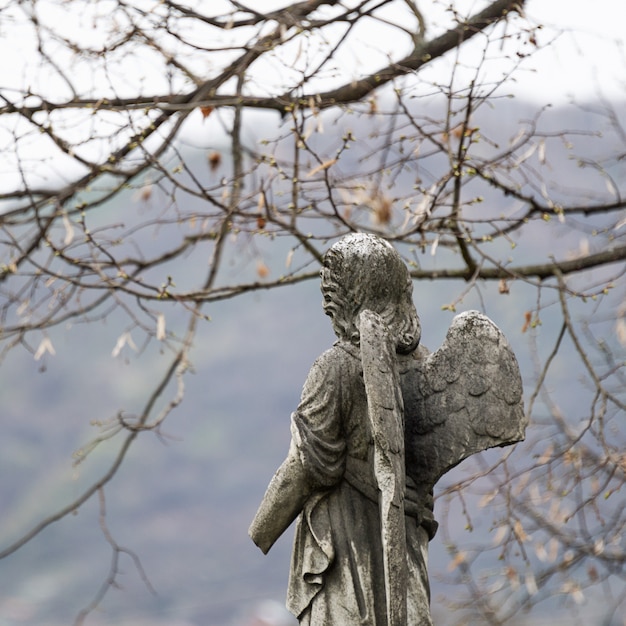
[(380, 421)]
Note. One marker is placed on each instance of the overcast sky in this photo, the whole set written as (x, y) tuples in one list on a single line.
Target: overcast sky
[(589, 59), (585, 58)]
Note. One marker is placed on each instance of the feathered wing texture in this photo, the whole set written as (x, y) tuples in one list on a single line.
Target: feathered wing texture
[(461, 399)]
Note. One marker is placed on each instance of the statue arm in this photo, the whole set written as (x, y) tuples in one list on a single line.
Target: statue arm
[(316, 458), (284, 499)]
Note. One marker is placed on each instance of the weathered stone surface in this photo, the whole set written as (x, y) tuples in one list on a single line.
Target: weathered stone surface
[(379, 422)]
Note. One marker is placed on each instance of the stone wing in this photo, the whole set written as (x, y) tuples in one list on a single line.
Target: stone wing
[(384, 402), (461, 399)]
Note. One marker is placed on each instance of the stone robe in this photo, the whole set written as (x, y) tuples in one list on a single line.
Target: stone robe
[(337, 574)]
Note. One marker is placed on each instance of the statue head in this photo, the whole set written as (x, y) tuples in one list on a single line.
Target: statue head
[(363, 271)]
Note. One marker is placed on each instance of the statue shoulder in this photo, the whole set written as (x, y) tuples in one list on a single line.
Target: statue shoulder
[(340, 355), (339, 361)]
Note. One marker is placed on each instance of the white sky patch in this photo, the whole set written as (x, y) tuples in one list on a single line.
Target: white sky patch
[(581, 56), (587, 59)]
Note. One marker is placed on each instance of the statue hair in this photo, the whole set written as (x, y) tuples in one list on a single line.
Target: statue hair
[(363, 271)]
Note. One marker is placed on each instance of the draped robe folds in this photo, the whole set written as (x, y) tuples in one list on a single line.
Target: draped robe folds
[(337, 572)]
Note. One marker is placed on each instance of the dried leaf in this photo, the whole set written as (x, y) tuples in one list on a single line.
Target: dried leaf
[(487, 498), (145, 193), (215, 160), (423, 209), (289, 258), (503, 286), (308, 131), (555, 512), (542, 152), (433, 248), (206, 111), (611, 188), (526, 155), (119, 345), (458, 559), (511, 574), (583, 247), (298, 52), (459, 131), (160, 327), (382, 210), (528, 316), (69, 230), (23, 307), (322, 166), (123, 340), (520, 133), (553, 550), (598, 546), (620, 224), (571, 457), (573, 589), (44, 347), (541, 552), (498, 538), (262, 270), (568, 558), (547, 455), (531, 584), (519, 531)]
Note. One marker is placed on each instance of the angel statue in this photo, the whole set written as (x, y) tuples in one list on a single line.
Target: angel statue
[(380, 421)]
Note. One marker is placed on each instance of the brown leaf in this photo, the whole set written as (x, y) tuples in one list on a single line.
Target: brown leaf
[(262, 270), (382, 211), (145, 193), (528, 316), (458, 131), (511, 574), (206, 111), (215, 160), (503, 286)]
